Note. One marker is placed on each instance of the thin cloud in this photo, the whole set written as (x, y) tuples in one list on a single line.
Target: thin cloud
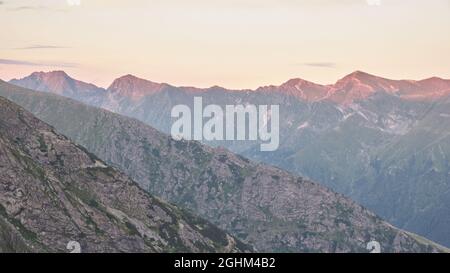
[(29, 7), (27, 63), (22, 8), (41, 47), (37, 8), (321, 64), (17, 62)]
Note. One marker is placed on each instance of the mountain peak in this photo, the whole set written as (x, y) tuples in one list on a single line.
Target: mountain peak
[(53, 81), (56, 75), (303, 89), (435, 81), (360, 85), (134, 87), (297, 82), (58, 82), (50, 74), (359, 75), (130, 77)]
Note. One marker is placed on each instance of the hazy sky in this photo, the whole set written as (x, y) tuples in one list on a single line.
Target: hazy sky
[(232, 43)]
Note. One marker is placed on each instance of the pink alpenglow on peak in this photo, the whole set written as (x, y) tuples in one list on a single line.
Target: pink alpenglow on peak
[(58, 82), (353, 87), (305, 89), (360, 85), (135, 88)]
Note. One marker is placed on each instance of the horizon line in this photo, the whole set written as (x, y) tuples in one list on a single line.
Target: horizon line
[(218, 86)]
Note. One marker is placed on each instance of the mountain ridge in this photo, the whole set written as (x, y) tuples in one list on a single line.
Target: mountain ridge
[(357, 85)]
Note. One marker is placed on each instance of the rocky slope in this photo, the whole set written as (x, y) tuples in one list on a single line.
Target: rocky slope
[(262, 205), (418, 161), (53, 191)]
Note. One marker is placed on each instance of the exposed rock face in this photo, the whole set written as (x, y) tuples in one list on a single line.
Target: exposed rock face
[(53, 191), (262, 205)]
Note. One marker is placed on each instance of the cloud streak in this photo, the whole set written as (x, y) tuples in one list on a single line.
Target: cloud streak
[(320, 64), (27, 63), (23, 8), (41, 47)]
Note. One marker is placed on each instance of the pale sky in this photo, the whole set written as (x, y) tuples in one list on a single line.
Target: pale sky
[(232, 43)]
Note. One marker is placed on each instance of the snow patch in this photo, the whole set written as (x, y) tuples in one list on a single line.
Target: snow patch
[(303, 125)]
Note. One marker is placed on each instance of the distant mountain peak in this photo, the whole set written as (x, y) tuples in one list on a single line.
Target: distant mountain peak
[(59, 82), (133, 78), (302, 89), (134, 87), (360, 85), (359, 76), (55, 73), (298, 82), (360, 73), (436, 81), (53, 81), (130, 77)]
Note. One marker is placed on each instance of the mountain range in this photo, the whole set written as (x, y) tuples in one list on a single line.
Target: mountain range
[(380, 142), (334, 134), (263, 206), (353, 87)]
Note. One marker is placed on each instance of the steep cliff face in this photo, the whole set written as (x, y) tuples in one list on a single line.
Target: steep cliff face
[(53, 192), (262, 205)]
